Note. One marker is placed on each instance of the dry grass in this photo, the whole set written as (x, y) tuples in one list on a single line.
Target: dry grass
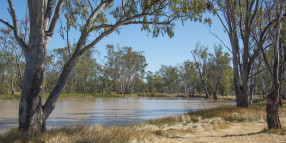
[(277, 131), (227, 113), (92, 134)]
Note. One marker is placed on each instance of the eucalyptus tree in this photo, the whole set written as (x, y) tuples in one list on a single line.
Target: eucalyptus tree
[(13, 57), (86, 74), (171, 80), (6, 48), (126, 68), (187, 74), (111, 68), (96, 18), (241, 19), (218, 63), (4, 87), (273, 98), (133, 68), (226, 83), (150, 82), (200, 55), (159, 83)]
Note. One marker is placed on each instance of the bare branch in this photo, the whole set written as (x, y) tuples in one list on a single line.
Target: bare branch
[(19, 40), (55, 18), (223, 24), (49, 12), (257, 73), (90, 5), (147, 22), (254, 13), (240, 21), (114, 27), (7, 24), (120, 22), (131, 22), (221, 41), (123, 7)]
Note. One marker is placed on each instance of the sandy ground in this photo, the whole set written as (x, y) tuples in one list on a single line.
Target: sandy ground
[(246, 132)]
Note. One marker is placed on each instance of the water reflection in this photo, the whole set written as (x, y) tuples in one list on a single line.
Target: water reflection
[(109, 111)]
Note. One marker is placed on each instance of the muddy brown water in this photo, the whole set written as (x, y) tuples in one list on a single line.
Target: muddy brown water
[(109, 111)]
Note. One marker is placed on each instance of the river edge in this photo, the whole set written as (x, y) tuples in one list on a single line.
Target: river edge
[(221, 124), (110, 111), (78, 95)]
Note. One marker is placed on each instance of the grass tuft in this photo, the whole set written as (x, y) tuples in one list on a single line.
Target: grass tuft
[(232, 113)]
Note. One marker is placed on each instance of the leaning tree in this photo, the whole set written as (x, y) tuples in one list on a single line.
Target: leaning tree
[(95, 19)]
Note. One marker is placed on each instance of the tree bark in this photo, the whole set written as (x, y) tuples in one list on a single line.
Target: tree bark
[(240, 90), (284, 95), (215, 91), (252, 85), (272, 108), (31, 116)]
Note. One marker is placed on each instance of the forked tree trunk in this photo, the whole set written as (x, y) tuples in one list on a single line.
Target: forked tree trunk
[(32, 113), (240, 91), (31, 116)]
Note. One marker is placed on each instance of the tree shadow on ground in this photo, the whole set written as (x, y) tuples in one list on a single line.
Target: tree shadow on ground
[(247, 134)]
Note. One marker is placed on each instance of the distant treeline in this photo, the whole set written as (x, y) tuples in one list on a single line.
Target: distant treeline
[(124, 72)]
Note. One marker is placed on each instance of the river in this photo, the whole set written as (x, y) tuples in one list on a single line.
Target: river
[(109, 111)]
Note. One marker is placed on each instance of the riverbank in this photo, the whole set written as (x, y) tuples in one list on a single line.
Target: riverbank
[(80, 95), (220, 124), (72, 95)]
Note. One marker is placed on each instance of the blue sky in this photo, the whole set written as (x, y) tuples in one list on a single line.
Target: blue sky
[(158, 51)]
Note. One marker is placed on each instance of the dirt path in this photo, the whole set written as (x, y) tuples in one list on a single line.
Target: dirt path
[(248, 132)]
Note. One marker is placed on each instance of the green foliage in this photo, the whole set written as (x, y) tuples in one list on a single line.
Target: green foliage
[(226, 83), (188, 76), (11, 63), (170, 76), (125, 68)]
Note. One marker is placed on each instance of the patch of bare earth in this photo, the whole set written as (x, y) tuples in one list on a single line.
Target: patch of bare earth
[(218, 131)]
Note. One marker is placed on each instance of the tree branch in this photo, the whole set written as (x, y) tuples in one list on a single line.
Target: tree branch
[(19, 40), (254, 13), (221, 41), (115, 26), (94, 14), (131, 22), (90, 5), (223, 24), (49, 12), (55, 19), (66, 72), (7, 24)]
